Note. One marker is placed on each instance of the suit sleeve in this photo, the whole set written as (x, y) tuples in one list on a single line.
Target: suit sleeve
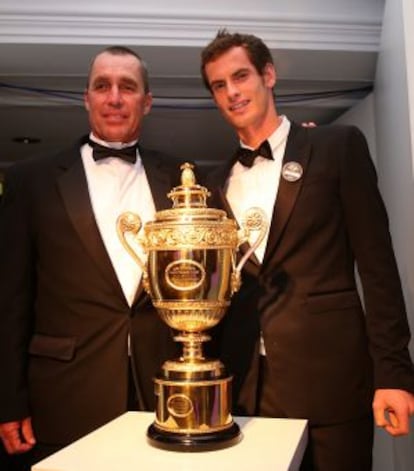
[(368, 226), (16, 297)]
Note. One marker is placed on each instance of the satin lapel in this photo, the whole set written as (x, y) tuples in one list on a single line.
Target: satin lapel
[(161, 178), (74, 190), (297, 150)]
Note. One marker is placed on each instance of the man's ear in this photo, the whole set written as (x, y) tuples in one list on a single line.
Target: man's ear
[(269, 75), (147, 103), (86, 99)]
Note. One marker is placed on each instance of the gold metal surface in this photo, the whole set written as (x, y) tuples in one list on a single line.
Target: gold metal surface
[(191, 272)]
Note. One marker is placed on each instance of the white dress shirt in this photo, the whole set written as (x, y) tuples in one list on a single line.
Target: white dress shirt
[(257, 186), (116, 186)]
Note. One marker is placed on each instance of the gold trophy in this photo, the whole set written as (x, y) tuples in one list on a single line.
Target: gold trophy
[(191, 273)]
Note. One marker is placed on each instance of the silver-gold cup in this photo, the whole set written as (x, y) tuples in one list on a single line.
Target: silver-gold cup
[(190, 273)]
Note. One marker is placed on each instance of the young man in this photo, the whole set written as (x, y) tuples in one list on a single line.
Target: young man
[(296, 336), (79, 340)]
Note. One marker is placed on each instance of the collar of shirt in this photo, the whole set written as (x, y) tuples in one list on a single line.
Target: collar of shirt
[(276, 140), (111, 145), (111, 165)]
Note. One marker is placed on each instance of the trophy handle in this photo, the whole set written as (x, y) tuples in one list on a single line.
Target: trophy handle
[(130, 222), (254, 219)]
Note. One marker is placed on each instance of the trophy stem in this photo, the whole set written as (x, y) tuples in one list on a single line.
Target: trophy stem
[(192, 345), (193, 401)]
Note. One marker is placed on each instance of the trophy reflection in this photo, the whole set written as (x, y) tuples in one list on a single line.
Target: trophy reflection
[(190, 273)]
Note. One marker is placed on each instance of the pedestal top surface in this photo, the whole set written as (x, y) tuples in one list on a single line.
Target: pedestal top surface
[(267, 444)]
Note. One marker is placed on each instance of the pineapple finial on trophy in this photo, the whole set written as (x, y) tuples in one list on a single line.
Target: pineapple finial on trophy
[(189, 194), (187, 175)]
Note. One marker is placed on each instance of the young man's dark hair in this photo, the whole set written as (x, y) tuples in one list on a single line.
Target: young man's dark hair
[(256, 49)]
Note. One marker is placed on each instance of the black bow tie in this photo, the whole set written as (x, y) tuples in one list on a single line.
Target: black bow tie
[(129, 154), (247, 156)]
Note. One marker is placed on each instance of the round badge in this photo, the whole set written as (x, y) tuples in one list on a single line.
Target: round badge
[(292, 171)]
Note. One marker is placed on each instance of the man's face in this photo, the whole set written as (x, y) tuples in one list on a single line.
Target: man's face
[(115, 98), (243, 96)]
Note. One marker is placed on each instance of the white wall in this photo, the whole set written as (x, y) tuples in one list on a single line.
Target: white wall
[(387, 119), (394, 111), (363, 116), (368, 9), (313, 24), (409, 41)]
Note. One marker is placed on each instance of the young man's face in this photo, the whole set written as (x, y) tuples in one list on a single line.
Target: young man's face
[(243, 96), (115, 98)]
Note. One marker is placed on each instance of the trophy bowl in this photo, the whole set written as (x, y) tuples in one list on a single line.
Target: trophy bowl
[(190, 273)]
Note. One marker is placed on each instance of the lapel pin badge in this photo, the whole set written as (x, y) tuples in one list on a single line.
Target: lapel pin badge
[(292, 171)]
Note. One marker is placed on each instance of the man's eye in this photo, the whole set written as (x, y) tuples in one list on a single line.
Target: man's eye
[(100, 86), (217, 86), (128, 87), (242, 75)]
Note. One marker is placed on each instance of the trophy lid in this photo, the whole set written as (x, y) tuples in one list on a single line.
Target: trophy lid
[(190, 223), (190, 200), (189, 194)]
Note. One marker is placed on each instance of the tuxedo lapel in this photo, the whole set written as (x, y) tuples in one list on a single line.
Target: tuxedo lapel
[(220, 201), (297, 150), (160, 181), (74, 190)]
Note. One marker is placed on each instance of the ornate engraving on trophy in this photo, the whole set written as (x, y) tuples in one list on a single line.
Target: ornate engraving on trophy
[(190, 274), (179, 405), (185, 275)]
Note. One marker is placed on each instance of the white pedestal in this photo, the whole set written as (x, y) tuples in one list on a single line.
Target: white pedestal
[(267, 444)]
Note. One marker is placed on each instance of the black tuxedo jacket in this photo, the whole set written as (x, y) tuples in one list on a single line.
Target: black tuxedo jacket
[(326, 354), (64, 319)]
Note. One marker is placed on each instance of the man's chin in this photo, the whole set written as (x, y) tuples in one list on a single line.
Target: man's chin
[(116, 136), (237, 120)]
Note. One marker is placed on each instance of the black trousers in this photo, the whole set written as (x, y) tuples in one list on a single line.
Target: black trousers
[(15, 462), (132, 399), (335, 447), (25, 461)]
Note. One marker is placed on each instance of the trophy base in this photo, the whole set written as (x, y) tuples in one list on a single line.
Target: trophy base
[(193, 442)]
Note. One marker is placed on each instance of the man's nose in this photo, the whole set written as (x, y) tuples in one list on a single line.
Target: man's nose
[(115, 95), (232, 90)]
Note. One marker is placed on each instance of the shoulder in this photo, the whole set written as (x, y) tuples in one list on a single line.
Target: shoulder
[(325, 130), (336, 139), (155, 161), (154, 157), (329, 133), (41, 160), (215, 175), (168, 163), (33, 173)]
